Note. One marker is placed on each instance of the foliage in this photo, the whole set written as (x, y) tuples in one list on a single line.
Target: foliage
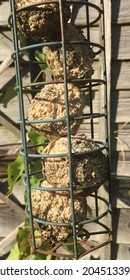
[(15, 172), (22, 39), (8, 96), (16, 169), (23, 249), (14, 254), (41, 58), (37, 140)]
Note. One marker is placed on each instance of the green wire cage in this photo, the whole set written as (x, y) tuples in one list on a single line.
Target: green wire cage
[(75, 162)]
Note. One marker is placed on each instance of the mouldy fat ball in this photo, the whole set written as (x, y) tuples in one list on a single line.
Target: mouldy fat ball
[(89, 170), (39, 21), (53, 207), (79, 57), (49, 103)]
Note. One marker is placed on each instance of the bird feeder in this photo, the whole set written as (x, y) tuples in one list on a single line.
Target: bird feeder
[(75, 162)]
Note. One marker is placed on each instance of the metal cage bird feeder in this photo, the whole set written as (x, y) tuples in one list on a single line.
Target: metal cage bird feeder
[(74, 166)]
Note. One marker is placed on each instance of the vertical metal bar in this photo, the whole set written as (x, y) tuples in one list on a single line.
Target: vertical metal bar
[(90, 83), (91, 97), (105, 78), (22, 119), (96, 204), (68, 129), (105, 103)]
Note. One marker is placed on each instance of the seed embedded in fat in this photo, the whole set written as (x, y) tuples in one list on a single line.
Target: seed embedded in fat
[(49, 103), (57, 208)]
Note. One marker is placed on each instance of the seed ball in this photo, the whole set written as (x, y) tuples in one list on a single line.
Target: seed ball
[(49, 103), (40, 20), (79, 57), (88, 170), (54, 207)]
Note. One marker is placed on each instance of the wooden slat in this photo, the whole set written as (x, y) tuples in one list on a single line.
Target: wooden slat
[(120, 251), (107, 20), (120, 140), (120, 168), (10, 124), (121, 42), (14, 112), (19, 193), (120, 101), (11, 216), (98, 254), (6, 36), (5, 64), (79, 13), (120, 106), (7, 137), (86, 128), (119, 155), (120, 11), (9, 77), (121, 226), (6, 44), (4, 13), (120, 164), (119, 75), (94, 36), (9, 241), (120, 188), (5, 51)]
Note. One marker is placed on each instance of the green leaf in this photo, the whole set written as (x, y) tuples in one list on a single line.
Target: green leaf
[(37, 140), (23, 244), (14, 254), (41, 58), (48, 257), (26, 197), (38, 238), (36, 178), (56, 258), (23, 250), (43, 245), (9, 95), (36, 256), (15, 171), (27, 222), (22, 39)]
